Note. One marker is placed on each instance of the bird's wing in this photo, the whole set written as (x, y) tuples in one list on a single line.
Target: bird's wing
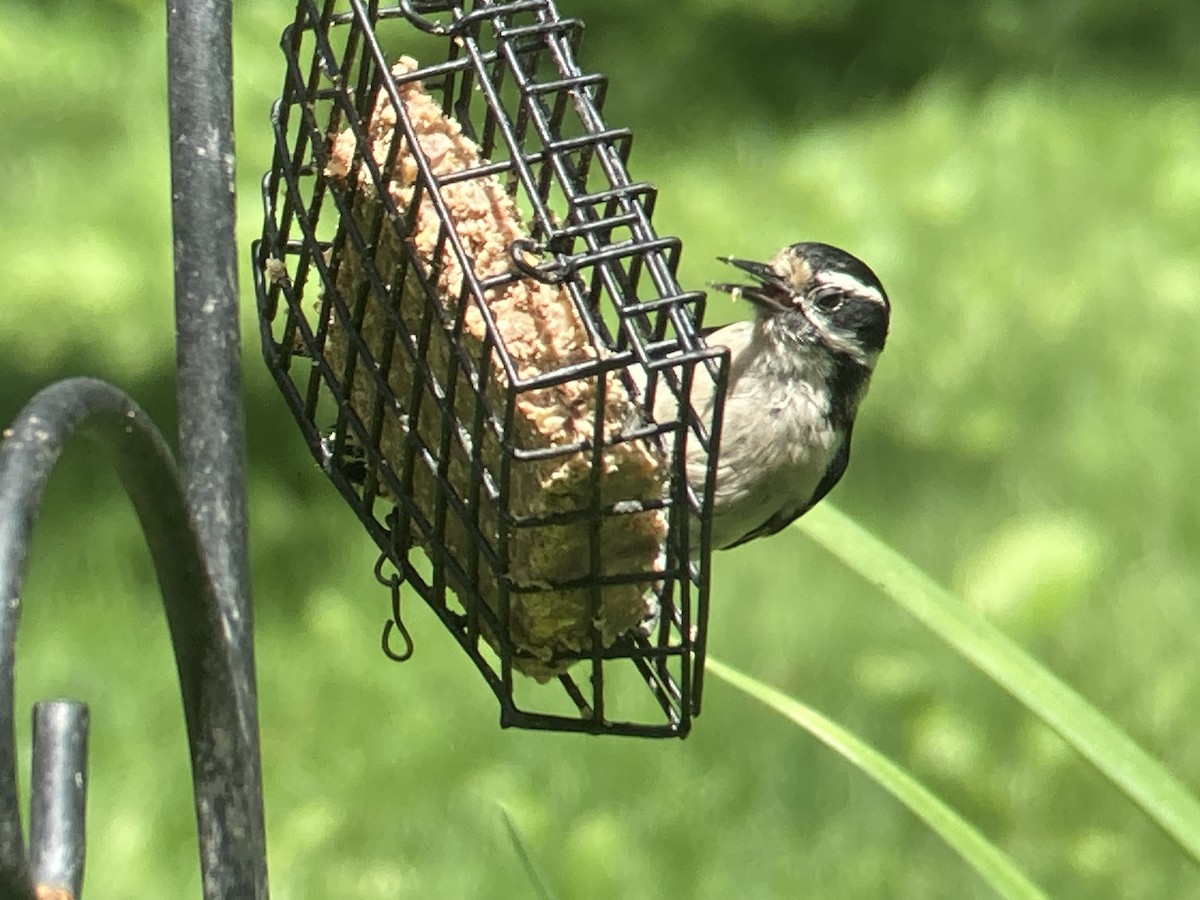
[(787, 516), (837, 468)]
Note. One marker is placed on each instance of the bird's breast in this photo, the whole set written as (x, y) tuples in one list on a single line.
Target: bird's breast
[(778, 436), (775, 449), (789, 433)]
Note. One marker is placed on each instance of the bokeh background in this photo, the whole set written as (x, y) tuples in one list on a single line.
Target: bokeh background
[(1025, 178)]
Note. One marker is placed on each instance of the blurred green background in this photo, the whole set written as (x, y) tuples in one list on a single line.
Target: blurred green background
[(1025, 178)]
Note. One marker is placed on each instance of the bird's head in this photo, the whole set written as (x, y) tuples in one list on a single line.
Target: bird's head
[(817, 293)]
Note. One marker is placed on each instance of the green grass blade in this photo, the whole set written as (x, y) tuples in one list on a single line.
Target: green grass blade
[(993, 865), (536, 878), (1159, 793)]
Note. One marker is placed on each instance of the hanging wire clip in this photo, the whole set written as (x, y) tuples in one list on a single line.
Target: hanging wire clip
[(558, 270), (396, 623)]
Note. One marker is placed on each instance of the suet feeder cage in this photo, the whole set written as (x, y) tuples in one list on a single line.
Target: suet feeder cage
[(469, 312)]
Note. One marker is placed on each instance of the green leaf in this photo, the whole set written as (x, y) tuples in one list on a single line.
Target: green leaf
[(536, 878), (995, 867), (1147, 782)]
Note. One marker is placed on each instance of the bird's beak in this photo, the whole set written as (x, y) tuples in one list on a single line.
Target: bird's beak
[(771, 293)]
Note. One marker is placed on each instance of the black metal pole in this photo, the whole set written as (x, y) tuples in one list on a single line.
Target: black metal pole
[(211, 415), (58, 796)]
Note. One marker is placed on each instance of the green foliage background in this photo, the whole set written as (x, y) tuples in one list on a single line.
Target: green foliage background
[(1024, 177)]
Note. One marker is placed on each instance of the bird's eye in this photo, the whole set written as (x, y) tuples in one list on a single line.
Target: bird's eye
[(829, 301)]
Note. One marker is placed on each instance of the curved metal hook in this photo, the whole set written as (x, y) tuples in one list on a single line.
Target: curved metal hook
[(463, 20), (428, 26), (213, 656), (396, 622), (555, 272)]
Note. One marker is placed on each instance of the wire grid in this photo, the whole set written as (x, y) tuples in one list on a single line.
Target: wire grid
[(507, 73)]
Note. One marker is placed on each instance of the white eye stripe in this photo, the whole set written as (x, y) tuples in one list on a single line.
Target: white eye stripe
[(848, 284)]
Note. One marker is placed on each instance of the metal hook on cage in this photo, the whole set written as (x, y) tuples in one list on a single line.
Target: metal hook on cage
[(464, 21), (396, 622), (429, 27), (560, 269)]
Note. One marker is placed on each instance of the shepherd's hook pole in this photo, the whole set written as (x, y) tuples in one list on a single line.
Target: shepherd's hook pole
[(211, 421)]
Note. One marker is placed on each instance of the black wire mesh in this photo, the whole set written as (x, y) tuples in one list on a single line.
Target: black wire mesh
[(492, 406)]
